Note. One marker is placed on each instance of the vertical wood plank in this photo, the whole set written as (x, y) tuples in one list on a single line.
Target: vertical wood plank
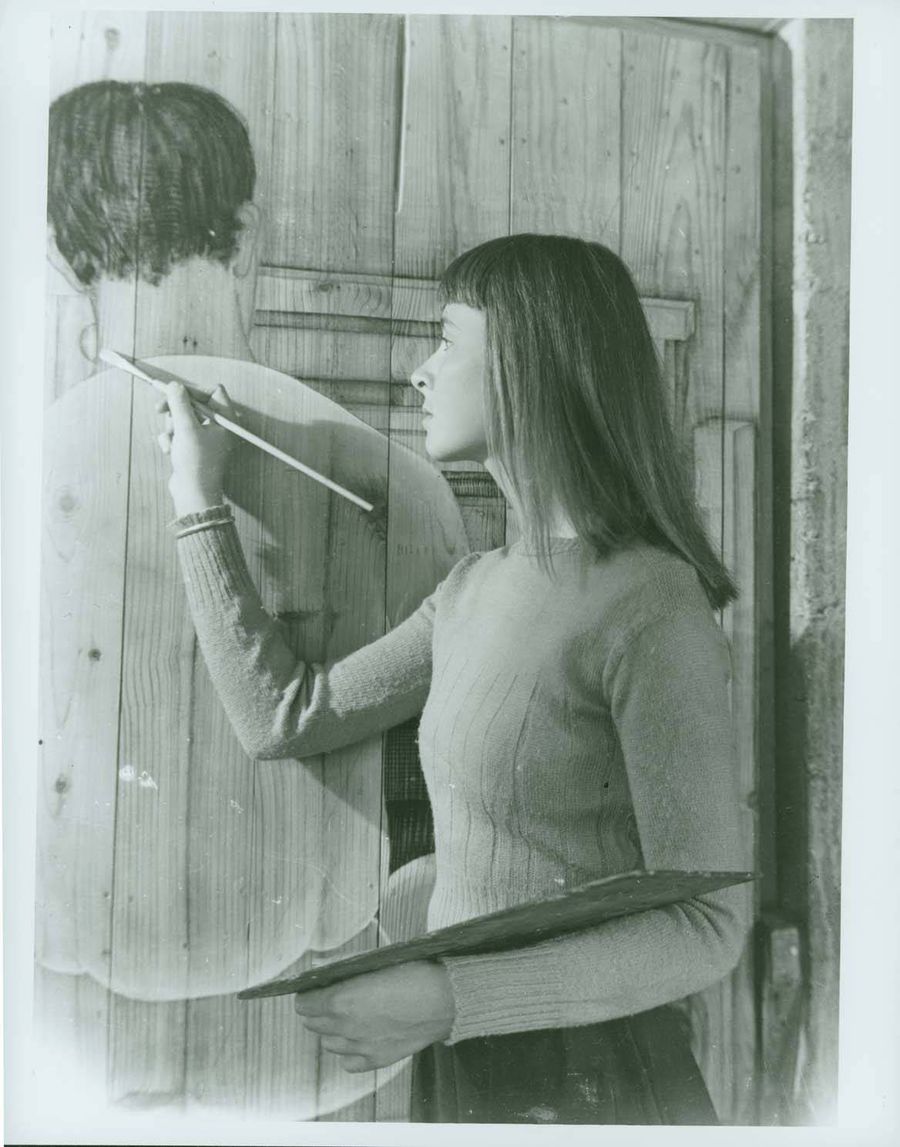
[(332, 182), (86, 447), (89, 46), (566, 103), (740, 622), (723, 1016), (331, 208), (85, 450), (456, 117), (150, 942), (747, 520), (392, 1099), (454, 180), (673, 191), (146, 1052), (233, 55), (215, 1053)]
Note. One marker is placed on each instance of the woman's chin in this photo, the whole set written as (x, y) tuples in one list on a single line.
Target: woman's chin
[(439, 452), (446, 449)]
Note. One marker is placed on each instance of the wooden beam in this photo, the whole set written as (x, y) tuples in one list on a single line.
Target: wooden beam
[(302, 298)]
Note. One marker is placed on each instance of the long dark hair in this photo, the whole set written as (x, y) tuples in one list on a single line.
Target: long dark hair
[(575, 400)]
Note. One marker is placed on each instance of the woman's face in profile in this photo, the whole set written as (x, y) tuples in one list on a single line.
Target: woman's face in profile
[(452, 382)]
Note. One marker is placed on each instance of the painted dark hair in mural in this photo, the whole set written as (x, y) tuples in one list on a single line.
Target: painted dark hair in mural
[(144, 176), (575, 401)]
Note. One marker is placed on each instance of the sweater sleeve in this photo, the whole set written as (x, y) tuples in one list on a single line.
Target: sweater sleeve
[(668, 693), (279, 705)]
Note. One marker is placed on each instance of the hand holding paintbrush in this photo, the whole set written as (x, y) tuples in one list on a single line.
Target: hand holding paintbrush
[(199, 459), (199, 452)]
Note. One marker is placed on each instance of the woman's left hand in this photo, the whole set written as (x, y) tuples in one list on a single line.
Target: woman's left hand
[(375, 1019)]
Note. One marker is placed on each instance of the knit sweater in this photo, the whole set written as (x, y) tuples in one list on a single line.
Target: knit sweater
[(575, 725)]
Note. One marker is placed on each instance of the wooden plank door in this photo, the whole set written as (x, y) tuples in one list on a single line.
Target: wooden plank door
[(386, 146)]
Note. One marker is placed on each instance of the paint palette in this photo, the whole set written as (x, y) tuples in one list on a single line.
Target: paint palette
[(583, 907)]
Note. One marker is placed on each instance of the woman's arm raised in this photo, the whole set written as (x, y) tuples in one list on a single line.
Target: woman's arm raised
[(279, 705)]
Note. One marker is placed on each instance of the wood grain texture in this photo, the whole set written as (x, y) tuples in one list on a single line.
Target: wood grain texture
[(566, 116), (146, 1052), (165, 809), (456, 118), (334, 144), (723, 1016), (88, 46), (747, 520), (673, 191), (743, 238), (150, 939), (86, 462)]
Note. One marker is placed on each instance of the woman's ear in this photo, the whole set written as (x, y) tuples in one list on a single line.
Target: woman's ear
[(246, 256)]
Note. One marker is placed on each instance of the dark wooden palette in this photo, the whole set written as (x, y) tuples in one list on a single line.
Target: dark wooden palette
[(594, 903)]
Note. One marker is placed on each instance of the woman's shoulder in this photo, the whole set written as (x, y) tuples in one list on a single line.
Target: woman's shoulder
[(645, 584), (657, 613)]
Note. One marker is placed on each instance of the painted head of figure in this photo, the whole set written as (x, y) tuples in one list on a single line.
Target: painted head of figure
[(145, 176), (548, 372)]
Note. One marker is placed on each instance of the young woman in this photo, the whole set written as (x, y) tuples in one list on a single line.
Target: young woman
[(576, 714)]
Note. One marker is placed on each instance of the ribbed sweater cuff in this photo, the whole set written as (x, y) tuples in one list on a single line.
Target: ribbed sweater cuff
[(505, 992), (212, 559)]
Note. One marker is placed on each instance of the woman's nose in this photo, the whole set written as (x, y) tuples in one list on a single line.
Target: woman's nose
[(419, 379)]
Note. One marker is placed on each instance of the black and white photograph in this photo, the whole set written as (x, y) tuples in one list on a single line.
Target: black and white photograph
[(437, 520)]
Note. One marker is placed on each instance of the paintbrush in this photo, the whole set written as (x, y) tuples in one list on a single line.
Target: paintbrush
[(158, 377)]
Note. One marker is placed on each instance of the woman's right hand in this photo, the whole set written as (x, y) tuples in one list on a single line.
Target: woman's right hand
[(199, 451)]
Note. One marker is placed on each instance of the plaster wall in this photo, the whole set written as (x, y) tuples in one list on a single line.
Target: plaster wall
[(811, 269)]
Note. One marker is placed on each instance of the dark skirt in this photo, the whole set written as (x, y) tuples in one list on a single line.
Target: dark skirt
[(637, 1070)]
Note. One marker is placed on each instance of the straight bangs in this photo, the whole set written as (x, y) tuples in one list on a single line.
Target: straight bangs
[(575, 403), (470, 277)]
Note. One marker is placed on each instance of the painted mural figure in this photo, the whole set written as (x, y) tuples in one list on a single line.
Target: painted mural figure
[(171, 868), (576, 719)]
